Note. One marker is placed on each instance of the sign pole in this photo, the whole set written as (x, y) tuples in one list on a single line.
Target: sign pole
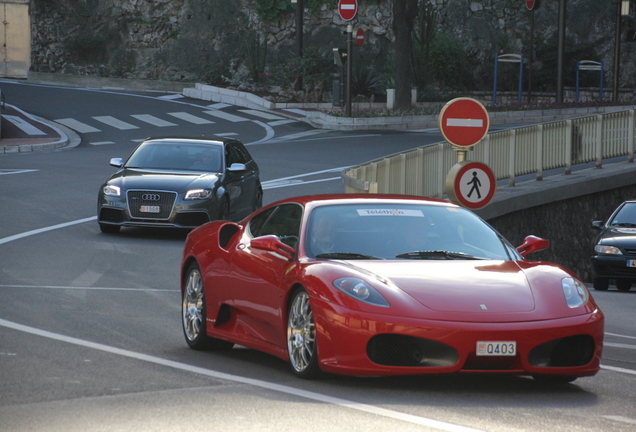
[(349, 69)]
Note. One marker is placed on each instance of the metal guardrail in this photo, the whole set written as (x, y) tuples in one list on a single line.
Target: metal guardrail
[(509, 153)]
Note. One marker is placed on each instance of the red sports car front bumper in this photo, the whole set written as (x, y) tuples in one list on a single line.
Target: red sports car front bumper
[(355, 343)]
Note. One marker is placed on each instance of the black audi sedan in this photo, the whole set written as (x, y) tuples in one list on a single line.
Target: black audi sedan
[(180, 183), (615, 249)]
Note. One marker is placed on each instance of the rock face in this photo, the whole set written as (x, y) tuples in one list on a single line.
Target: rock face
[(185, 39)]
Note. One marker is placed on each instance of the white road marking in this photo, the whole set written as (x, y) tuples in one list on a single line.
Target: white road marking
[(77, 126), (41, 230), (23, 125), (344, 403), (618, 369), (171, 97), (116, 123), (618, 345), (620, 419), (99, 143), (226, 116), (262, 114), (155, 121), (190, 118), (282, 122), (16, 171), (219, 105)]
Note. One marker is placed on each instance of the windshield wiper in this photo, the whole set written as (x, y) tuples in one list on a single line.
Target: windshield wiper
[(346, 255), (437, 254)]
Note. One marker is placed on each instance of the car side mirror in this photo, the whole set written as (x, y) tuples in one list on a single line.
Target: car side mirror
[(237, 167), (117, 162), (272, 243), (532, 244), (598, 225)]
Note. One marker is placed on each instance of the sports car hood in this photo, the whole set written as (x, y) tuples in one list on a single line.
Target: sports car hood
[(459, 286), (163, 180)]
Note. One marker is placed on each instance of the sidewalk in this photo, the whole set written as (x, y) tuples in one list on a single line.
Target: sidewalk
[(23, 132)]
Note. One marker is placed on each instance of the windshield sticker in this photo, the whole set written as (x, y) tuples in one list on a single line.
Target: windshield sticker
[(390, 212)]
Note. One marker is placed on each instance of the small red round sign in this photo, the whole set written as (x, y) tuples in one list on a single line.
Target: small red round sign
[(464, 121), (360, 37), (471, 184), (347, 9), (530, 4)]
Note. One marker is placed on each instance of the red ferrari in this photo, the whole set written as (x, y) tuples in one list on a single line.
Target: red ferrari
[(385, 285)]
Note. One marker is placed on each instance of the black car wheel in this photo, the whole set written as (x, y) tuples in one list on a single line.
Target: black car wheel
[(601, 284), (224, 209), (258, 201), (108, 228), (193, 314), (623, 284), (301, 337)]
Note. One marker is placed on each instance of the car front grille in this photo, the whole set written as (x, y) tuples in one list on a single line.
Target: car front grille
[(137, 199)]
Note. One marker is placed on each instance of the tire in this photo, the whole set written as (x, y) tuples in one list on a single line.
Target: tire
[(193, 314), (601, 284), (108, 228), (301, 337), (224, 209), (554, 379), (623, 285), (258, 200)]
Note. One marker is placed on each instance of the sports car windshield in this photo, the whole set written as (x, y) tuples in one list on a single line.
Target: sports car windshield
[(404, 232), (177, 156)]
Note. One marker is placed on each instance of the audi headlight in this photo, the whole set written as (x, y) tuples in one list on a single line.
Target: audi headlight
[(607, 250), (360, 290), (111, 190), (575, 292), (198, 194)]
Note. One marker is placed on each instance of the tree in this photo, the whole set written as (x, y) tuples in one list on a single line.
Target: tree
[(404, 15)]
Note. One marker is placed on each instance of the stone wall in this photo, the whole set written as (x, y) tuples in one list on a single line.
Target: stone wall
[(179, 39), (567, 224)]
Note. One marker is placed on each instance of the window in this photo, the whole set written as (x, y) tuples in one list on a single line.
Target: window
[(282, 221)]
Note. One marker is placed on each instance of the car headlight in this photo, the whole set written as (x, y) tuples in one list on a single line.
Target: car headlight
[(575, 292), (111, 190), (607, 250), (198, 194), (360, 290)]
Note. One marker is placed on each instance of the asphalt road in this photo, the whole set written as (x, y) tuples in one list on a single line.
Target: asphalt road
[(90, 335)]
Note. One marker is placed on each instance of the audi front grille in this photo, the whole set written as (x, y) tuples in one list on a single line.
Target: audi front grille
[(144, 204)]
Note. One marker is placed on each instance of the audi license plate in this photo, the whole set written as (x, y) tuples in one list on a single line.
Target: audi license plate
[(496, 348), (631, 263), (149, 209)]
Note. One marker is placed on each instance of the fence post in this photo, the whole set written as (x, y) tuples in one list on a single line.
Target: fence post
[(539, 152), (630, 137), (599, 141), (511, 160), (568, 146)]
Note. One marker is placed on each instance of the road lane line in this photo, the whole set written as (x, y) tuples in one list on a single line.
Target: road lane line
[(41, 230), (190, 118), (116, 123), (77, 125), (424, 421), (155, 121)]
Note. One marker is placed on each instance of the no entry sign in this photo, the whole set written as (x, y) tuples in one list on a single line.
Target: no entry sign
[(360, 37), (347, 9), (464, 122), (471, 184)]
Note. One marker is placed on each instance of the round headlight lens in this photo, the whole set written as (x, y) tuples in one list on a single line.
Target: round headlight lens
[(360, 290), (575, 291)]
